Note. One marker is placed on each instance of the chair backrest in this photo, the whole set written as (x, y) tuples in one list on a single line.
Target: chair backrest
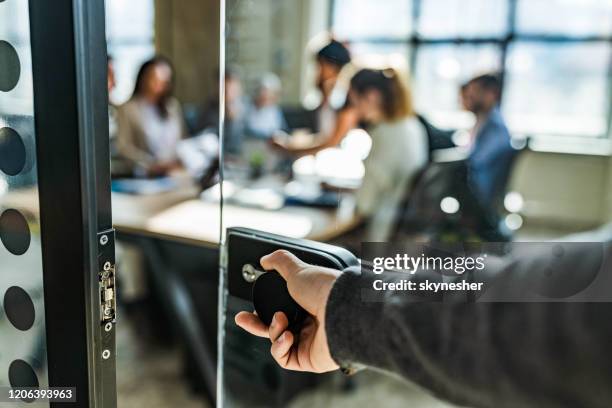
[(421, 206), (437, 138), (503, 178)]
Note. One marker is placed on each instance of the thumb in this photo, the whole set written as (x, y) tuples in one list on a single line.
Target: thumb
[(284, 262)]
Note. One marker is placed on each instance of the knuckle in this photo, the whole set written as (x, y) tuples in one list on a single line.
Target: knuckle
[(283, 254)]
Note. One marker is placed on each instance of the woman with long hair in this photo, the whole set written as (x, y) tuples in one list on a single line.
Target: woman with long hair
[(151, 122), (382, 99)]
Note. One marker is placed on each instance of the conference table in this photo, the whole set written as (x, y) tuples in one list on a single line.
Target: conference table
[(180, 215), (180, 234)]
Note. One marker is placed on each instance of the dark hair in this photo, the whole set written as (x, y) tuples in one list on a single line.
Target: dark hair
[(140, 78), (489, 82), (336, 53), (396, 96)]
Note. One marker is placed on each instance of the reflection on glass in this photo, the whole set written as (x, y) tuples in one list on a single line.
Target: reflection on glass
[(355, 19), (567, 95), (565, 17), (463, 18), (23, 354), (440, 72)]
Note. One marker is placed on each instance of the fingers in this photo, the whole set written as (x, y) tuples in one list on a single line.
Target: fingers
[(251, 323), (278, 326), (284, 262), (282, 352)]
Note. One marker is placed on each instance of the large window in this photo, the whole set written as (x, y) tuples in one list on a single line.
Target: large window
[(555, 56), (130, 41)]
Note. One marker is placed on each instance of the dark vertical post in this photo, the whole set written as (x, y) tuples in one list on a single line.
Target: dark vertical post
[(70, 103)]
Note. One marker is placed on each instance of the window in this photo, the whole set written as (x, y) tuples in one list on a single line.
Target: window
[(440, 71), (367, 19), (558, 88), (129, 32), (565, 17), (463, 18), (554, 55)]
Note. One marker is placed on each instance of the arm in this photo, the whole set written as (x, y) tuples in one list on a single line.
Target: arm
[(347, 120), (475, 354)]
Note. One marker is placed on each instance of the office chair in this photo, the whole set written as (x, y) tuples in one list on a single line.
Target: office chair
[(442, 206)]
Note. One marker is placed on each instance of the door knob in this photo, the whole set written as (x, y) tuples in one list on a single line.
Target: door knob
[(270, 295)]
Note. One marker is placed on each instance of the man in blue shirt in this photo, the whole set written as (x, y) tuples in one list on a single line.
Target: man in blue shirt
[(491, 158)]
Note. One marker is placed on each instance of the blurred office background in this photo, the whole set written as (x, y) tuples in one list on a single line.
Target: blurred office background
[(554, 58)]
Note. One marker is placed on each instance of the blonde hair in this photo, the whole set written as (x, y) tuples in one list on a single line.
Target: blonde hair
[(396, 94)]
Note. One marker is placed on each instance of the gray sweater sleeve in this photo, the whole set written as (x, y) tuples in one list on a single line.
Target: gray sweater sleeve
[(479, 354)]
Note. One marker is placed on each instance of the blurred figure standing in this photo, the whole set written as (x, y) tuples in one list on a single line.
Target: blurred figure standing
[(491, 156), (265, 116), (151, 123)]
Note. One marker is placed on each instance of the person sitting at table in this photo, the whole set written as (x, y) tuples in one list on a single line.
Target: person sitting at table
[(334, 118), (491, 156), (150, 123), (265, 117), (382, 99)]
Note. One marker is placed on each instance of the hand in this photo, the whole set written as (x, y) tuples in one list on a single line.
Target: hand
[(278, 142), (309, 286)]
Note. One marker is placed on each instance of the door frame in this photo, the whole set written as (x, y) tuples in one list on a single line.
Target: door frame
[(71, 120)]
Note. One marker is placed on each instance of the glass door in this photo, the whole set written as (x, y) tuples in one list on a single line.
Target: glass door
[(57, 293), (281, 188)]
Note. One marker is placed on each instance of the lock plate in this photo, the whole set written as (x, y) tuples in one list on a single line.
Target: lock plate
[(106, 278)]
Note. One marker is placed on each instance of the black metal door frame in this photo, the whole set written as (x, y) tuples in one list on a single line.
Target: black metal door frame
[(71, 119)]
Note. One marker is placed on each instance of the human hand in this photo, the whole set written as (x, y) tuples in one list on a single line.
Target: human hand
[(309, 286), (278, 142)]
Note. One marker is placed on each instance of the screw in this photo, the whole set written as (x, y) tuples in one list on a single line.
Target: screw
[(108, 327), (106, 354), (107, 266), (108, 312), (104, 239)]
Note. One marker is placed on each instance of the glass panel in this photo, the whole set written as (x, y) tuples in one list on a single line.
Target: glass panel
[(359, 19), (284, 174), (565, 17), (23, 355), (567, 95), (463, 18), (440, 72)]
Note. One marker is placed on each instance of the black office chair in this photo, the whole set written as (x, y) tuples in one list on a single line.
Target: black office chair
[(442, 206)]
